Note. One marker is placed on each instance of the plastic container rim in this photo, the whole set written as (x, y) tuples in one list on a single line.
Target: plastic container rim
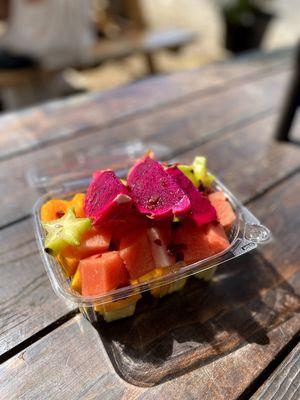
[(62, 287)]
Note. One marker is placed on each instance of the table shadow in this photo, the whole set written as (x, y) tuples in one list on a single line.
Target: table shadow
[(205, 321)]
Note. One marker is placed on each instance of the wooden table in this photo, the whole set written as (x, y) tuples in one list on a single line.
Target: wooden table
[(249, 322)]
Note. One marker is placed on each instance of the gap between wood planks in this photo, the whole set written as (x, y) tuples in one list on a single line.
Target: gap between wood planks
[(38, 335), (271, 367), (231, 83)]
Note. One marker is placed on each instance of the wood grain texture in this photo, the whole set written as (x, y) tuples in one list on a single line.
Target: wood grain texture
[(284, 383), (27, 301), (252, 310), (263, 318), (60, 119), (239, 173), (179, 127)]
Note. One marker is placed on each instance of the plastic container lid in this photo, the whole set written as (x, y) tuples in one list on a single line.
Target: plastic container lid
[(70, 169)]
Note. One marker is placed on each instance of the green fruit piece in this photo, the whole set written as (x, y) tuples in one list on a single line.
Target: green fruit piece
[(206, 275), (187, 170), (120, 313), (65, 231), (200, 171)]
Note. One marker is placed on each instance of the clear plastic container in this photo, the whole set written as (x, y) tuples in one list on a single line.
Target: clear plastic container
[(246, 233), (165, 337)]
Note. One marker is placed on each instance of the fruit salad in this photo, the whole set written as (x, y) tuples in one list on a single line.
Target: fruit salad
[(124, 232)]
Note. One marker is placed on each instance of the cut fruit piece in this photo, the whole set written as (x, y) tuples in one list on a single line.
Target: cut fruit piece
[(116, 305), (202, 211), (76, 281), (193, 241), (68, 264), (136, 253), (177, 285), (54, 209), (160, 238), (102, 273), (206, 275), (106, 198), (163, 290), (199, 243), (94, 241), (217, 238), (225, 213), (78, 202), (187, 170), (200, 172), (159, 291), (132, 222), (110, 316), (64, 231), (154, 192)]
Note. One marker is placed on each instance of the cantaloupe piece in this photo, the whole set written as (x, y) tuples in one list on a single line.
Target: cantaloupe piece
[(76, 281), (136, 253), (68, 264), (116, 305), (78, 202), (102, 273), (163, 290), (54, 209), (225, 213), (159, 291)]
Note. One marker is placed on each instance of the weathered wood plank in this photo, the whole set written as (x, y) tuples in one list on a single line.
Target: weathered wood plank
[(270, 300), (284, 383), (275, 162), (60, 119), (27, 301), (179, 127)]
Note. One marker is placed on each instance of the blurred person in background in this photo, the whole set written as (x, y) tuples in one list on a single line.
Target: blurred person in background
[(51, 33)]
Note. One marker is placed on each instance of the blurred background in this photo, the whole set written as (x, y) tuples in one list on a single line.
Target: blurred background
[(56, 48)]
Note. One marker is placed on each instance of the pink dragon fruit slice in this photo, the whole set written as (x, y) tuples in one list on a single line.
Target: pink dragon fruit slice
[(106, 197), (154, 192), (202, 211)]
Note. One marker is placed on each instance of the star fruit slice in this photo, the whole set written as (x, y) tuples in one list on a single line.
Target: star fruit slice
[(64, 231)]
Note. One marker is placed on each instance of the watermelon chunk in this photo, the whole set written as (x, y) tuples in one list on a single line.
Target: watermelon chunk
[(217, 238), (225, 213), (202, 211), (94, 241), (160, 238), (136, 253), (193, 242), (132, 221), (102, 273), (200, 242), (106, 197), (154, 192)]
